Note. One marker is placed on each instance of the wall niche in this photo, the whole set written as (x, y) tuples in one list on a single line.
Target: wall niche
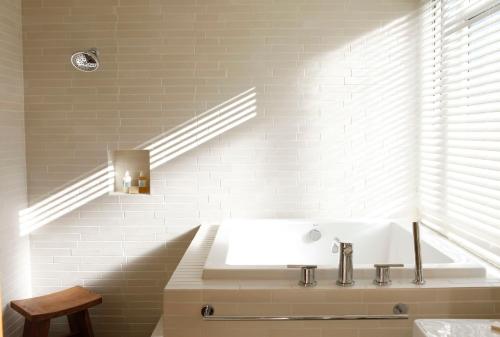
[(132, 171)]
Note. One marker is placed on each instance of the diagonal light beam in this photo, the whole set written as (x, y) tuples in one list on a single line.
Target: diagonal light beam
[(163, 148)]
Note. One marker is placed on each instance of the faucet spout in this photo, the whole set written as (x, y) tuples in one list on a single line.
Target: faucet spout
[(345, 276), (419, 276)]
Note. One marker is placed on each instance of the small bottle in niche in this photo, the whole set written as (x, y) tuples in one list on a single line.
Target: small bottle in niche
[(142, 181), (127, 182)]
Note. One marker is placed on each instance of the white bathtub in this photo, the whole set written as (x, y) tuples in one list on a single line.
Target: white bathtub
[(263, 248)]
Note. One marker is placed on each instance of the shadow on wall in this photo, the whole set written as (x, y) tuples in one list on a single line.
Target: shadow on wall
[(163, 148), (132, 294), (380, 119), (357, 132), (332, 138)]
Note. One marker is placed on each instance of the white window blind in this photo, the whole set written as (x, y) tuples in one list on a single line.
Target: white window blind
[(460, 123)]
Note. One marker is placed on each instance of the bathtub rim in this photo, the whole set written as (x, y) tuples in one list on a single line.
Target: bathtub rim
[(462, 265)]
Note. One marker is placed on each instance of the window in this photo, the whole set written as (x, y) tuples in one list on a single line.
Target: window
[(460, 123)]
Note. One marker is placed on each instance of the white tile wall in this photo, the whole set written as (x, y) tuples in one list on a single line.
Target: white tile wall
[(14, 250), (334, 135)]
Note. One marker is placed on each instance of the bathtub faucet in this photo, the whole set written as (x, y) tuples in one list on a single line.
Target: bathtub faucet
[(419, 276), (345, 262)]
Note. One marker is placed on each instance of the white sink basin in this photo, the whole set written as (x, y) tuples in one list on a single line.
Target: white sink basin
[(453, 328)]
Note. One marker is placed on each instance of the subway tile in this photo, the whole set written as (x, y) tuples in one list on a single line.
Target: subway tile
[(456, 308), (238, 296), (162, 64), (398, 295), (385, 332), (467, 294), (333, 332), (289, 332)]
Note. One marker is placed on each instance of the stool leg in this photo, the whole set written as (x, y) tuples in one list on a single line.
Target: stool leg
[(80, 325), (36, 329)]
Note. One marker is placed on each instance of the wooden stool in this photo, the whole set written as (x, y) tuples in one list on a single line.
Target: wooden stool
[(73, 302)]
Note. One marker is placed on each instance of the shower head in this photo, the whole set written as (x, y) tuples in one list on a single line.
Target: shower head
[(85, 60)]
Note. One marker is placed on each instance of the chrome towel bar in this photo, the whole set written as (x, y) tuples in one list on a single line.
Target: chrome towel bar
[(400, 312)]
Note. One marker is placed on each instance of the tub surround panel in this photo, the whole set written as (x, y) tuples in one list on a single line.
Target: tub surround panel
[(187, 292), (14, 250), (333, 137)]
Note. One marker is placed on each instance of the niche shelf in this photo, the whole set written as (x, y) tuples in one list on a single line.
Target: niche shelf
[(132, 171)]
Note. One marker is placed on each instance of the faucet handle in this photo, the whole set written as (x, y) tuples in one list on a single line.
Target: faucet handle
[(383, 273), (306, 266), (383, 265), (307, 274), (335, 247)]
